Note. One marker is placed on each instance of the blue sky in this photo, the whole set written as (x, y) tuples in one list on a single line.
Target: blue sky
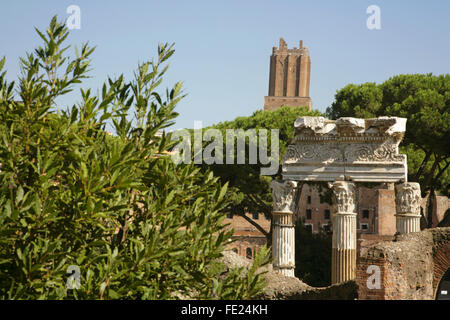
[(223, 47)]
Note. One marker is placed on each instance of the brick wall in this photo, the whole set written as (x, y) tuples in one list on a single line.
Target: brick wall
[(411, 267), (310, 200), (440, 205), (441, 259), (377, 202), (247, 239), (362, 276), (386, 224)]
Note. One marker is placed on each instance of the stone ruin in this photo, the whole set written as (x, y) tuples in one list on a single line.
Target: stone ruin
[(348, 149), (342, 152), (413, 267)]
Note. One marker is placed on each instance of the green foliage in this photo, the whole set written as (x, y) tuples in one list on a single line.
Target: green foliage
[(251, 284), (424, 100), (138, 226), (282, 119), (249, 190), (361, 101)]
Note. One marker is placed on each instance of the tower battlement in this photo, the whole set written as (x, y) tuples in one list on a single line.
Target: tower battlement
[(283, 49)]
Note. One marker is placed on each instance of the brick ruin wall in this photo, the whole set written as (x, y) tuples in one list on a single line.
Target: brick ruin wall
[(411, 266)]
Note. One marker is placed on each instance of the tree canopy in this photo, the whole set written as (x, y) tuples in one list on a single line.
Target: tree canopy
[(249, 191), (424, 99)]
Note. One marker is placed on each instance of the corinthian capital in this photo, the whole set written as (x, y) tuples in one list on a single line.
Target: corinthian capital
[(283, 193), (343, 196), (407, 198)]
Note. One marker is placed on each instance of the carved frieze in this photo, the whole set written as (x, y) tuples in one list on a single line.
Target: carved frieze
[(346, 149), (327, 153), (310, 152), (384, 152)]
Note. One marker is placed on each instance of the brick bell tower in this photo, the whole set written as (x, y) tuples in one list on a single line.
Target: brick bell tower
[(289, 77)]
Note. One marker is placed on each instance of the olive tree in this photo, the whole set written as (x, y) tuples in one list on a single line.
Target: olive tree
[(112, 207)]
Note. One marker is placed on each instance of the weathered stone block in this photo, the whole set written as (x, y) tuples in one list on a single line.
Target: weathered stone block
[(359, 150)]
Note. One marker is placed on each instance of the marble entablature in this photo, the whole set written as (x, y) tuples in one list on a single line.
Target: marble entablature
[(352, 149)]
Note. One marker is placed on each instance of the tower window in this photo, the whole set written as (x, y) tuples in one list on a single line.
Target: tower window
[(249, 253), (308, 214), (326, 214), (364, 226), (365, 214), (308, 199)]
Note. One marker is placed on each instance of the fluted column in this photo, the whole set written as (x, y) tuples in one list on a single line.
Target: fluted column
[(407, 205), (283, 233), (283, 243), (343, 263)]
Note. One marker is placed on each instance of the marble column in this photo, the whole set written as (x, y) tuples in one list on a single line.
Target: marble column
[(407, 203), (283, 233), (343, 263)]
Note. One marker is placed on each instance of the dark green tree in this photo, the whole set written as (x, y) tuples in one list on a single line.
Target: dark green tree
[(313, 255), (136, 225), (249, 191), (361, 101)]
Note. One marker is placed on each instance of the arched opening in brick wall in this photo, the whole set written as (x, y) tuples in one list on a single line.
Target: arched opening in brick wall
[(443, 290), (441, 275)]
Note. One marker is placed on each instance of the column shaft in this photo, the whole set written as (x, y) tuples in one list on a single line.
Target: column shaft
[(343, 248), (343, 259), (283, 243), (407, 224)]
